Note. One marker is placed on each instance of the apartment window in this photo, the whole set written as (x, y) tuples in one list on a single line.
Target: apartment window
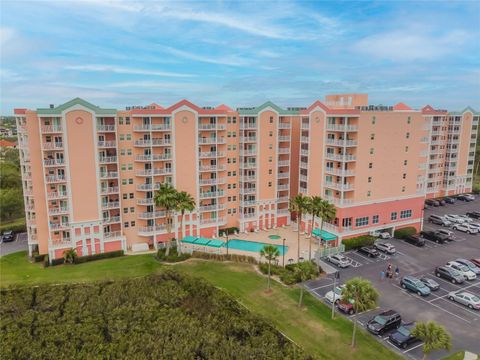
[(363, 221), (125, 224), (270, 159), (229, 211), (406, 148), (234, 198), (125, 210), (409, 120), (270, 171), (130, 181), (122, 137), (369, 179), (124, 181), (374, 120), (120, 120), (234, 134), (347, 222), (131, 195), (369, 193), (125, 196), (234, 173), (372, 136), (127, 120), (371, 151), (129, 151), (269, 184), (271, 119), (270, 146), (122, 152), (229, 198), (405, 162), (234, 186), (130, 166), (270, 133), (229, 186), (123, 167), (234, 120), (393, 216), (132, 209), (403, 188), (229, 134), (404, 175), (229, 173), (229, 160), (234, 160), (132, 223), (234, 147), (405, 214), (370, 165), (375, 219), (408, 135), (234, 211)]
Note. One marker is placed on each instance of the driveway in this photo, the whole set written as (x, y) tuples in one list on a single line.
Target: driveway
[(19, 244)]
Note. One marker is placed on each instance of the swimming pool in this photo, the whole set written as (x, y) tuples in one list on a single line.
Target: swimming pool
[(251, 246)]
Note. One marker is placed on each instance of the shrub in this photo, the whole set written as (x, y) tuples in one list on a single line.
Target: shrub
[(274, 269), (46, 262), (288, 274), (38, 258), (16, 227), (173, 256), (404, 232), (476, 188), (229, 231), (358, 242), (224, 257), (105, 255), (59, 261)]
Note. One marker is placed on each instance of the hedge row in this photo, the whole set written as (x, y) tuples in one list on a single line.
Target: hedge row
[(404, 232), (105, 255), (358, 242), (16, 227), (173, 255), (224, 257), (287, 275)]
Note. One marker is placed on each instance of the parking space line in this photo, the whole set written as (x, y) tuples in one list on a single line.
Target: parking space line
[(363, 257), (448, 282), (460, 306), (413, 348), (321, 287)]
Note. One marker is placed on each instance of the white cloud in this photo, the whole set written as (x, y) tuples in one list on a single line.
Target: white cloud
[(219, 60), (124, 70)]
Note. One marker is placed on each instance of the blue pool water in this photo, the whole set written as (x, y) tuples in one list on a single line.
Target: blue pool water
[(251, 246)]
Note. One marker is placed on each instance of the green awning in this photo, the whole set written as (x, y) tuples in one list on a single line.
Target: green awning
[(216, 243), (325, 235), (189, 239), (202, 241)]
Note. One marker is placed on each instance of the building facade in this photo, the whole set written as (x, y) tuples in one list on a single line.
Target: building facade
[(90, 174)]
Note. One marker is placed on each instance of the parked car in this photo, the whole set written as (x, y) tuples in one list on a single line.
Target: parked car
[(431, 202), (339, 260), (465, 298), (449, 235), (462, 269), (335, 296), (8, 236), (441, 202), (415, 240), (403, 337), (384, 322), (473, 214), (386, 247), (449, 274), (475, 225), (450, 200), (466, 218), (466, 197), (430, 283), (454, 218), (413, 284), (466, 228), (346, 307), (475, 261), (433, 236), (370, 251), (470, 265), (439, 220)]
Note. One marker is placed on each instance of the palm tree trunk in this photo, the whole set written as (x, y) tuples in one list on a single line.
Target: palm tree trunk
[(321, 229), (169, 230), (179, 244), (268, 283), (298, 235), (310, 240), (354, 332)]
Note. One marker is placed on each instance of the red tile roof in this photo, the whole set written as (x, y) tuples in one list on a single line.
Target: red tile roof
[(401, 106), (19, 111), (223, 107), (431, 111), (328, 110), (170, 109)]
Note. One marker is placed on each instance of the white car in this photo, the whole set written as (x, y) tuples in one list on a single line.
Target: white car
[(462, 269), (467, 219), (335, 297), (465, 298), (475, 225), (446, 232), (385, 247), (466, 228), (339, 260), (454, 218)]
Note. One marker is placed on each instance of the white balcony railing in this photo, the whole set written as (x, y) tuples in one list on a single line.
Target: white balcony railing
[(211, 154), (53, 162), (107, 159), (151, 214), (211, 194), (56, 194), (109, 190), (109, 175), (207, 168), (211, 140), (337, 142), (105, 128), (339, 172), (150, 230), (339, 186), (52, 129), (107, 144), (53, 145), (110, 205)]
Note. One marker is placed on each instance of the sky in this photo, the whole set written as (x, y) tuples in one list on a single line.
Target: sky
[(121, 53)]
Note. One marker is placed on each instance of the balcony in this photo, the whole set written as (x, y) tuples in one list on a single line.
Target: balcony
[(152, 127), (107, 144), (109, 190), (304, 139), (49, 179), (284, 150), (106, 128), (147, 201), (210, 127), (56, 195), (220, 140), (112, 235), (153, 142), (283, 163), (217, 181), (50, 129), (248, 126), (248, 165), (151, 214), (341, 127), (248, 216), (208, 168), (245, 203), (303, 177), (283, 187), (211, 154), (58, 210), (53, 162), (248, 190), (340, 157), (304, 165), (111, 220), (214, 221), (59, 226), (284, 138), (283, 212), (304, 152), (247, 178), (248, 139), (107, 159), (338, 201), (249, 152), (148, 187), (341, 142), (339, 186), (150, 230), (211, 194), (214, 207), (110, 205), (283, 175), (305, 126), (154, 157), (53, 146), (109, 175), (282, 199), (339, 172), (153, 172), (284, 125)]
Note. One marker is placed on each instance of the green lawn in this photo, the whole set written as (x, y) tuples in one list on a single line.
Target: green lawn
[(310, 327)]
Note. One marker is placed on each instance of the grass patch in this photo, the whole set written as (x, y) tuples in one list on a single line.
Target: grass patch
[(17, 225)]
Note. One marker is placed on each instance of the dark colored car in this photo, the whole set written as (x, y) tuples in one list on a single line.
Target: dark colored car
[(370, 251), (413, 284), (466, 197), (449, 274), (431, 202), (433, 236), (415, 240), (432, 284), (8, 236), (442, 202), (384, 322), (403, 337), (473, 214), (345, 307), (475, 261), (450, 200)]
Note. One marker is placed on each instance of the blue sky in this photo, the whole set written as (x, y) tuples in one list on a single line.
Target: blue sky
[(116, 53)]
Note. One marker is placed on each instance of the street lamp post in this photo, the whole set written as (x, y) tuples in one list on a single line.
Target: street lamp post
[(283, 252), (226, 234)]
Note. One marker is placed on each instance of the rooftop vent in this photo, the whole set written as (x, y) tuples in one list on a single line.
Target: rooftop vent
[(52, 106)]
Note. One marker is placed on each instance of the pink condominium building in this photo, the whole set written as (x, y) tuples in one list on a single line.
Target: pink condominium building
[(90, 174)]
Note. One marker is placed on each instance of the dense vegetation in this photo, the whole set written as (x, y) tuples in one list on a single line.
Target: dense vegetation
[(404, 232), (288, 274), (358, 242), (11, 196), (165, 316)]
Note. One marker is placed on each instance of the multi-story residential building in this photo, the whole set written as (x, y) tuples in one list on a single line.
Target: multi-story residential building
[(90, 174)]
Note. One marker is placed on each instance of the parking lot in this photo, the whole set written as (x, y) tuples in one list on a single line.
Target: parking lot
[(462, 322), (20, 243)]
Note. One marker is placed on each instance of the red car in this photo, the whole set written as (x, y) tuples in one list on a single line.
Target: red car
[(345, 307), (476, 261)]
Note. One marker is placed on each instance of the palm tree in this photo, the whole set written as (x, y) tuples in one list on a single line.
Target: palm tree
[(166, 198), (314, 208), (185, 202), (298, 204), (304, 271), (70, 255), (326, 212), (433, 335), (363, 296), (270, 253)]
